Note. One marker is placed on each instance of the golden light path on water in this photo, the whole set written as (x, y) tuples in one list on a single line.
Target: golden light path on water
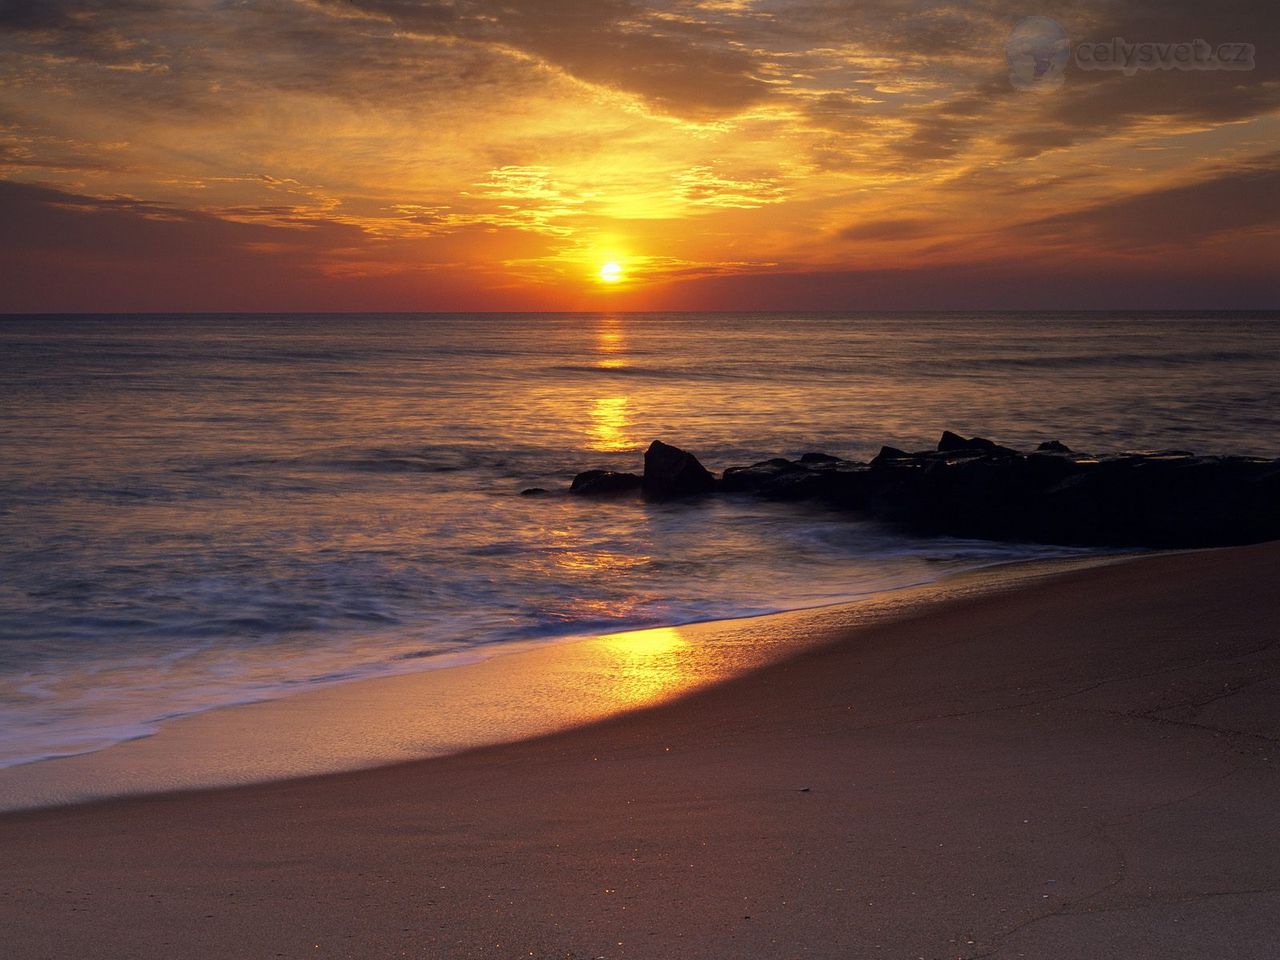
[(611, 343), (609, 425), (610, 420)]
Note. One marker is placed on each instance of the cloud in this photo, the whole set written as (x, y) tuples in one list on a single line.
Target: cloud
[(925, 75), (705, 186), (390, 138), (939, 69), (894, 228), (68, 251), (678, 65), (1228, 200), (1098, 104), (45, 221)]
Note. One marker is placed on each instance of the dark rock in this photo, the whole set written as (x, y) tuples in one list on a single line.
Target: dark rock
[(1048, 468), (976, 488), (835, 464), (752, 478), (534, 492), (890, 453), (954, 443), (819, 458), (604, 483), (831, 480), (587, 477), (670, 473), (1053, 446), (802, 484), (1163, 501)]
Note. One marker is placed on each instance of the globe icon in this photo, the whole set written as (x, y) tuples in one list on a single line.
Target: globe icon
[(1038, 49)]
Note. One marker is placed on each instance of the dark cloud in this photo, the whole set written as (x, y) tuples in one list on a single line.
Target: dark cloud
[(1001, 181), (67, 251), (937, 138), (155, 58), (948, 58), (1231, 200), (913, 29), (899, 228), (61, 14), (30, 14), (64, 251), (1033, 141), (105, 30), (1094, 104), (680, 58), (51, 222), (677, 65)]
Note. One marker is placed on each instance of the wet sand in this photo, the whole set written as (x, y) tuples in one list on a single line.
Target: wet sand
[(499, 694), (1085, 766)]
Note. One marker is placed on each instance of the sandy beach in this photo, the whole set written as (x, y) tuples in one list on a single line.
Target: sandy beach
[(1085, 766)]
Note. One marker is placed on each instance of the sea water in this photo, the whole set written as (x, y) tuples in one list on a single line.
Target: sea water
[(198, 511)]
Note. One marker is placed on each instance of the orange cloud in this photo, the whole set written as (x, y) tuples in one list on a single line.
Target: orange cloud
[(436, 154)]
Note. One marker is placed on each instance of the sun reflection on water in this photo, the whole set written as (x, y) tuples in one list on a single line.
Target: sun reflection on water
[(610, 425), (609, 428), (610, 344)]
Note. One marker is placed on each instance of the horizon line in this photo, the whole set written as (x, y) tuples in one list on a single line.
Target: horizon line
[(593, 313)]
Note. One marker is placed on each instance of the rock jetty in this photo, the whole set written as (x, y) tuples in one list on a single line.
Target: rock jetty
[(974, 487)]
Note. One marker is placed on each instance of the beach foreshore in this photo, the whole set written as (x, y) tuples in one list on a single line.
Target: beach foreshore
[(1084, 765), (478, 696)]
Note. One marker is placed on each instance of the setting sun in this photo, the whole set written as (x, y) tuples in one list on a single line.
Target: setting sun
[(611, 272)]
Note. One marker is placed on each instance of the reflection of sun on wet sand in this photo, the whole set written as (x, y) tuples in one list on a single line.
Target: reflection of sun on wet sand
[(647, 664)]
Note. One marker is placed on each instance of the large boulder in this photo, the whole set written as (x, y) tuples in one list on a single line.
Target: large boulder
[(671, 473), (758, 475), (604, 483), (954, 443), (889, 455), (812, 477), (1164, 500)]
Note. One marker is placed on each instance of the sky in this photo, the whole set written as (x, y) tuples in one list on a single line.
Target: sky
[(279, 155)]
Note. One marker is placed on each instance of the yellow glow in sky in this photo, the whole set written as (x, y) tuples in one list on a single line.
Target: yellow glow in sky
[(567, 155)]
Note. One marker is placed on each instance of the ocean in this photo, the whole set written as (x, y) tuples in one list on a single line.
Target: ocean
[(198, 511)]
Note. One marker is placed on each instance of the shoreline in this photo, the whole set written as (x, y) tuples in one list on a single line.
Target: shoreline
[(222, 747), (1087, 758)]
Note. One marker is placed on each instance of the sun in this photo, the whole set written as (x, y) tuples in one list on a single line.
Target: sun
[(611, 272)]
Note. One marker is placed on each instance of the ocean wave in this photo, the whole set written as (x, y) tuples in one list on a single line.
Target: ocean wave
[(1104, 360)]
